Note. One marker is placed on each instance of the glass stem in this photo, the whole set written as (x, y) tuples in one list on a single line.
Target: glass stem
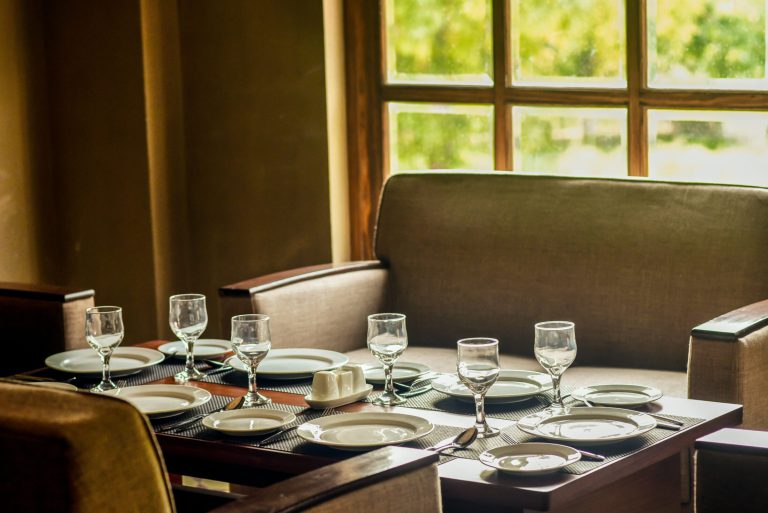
[(558, 399), (479, 410), (190, 361), (389, 387), (252, 388), (105, 366)]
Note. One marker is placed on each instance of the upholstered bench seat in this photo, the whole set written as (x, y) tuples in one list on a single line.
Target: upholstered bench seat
[(441, 359)]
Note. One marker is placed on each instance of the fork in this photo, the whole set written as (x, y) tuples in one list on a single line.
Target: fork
[(420, 382), (279, 434), (585, 454)]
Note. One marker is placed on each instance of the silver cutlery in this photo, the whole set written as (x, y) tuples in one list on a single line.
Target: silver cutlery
[(661, 421), (177, 426), (424, 381), (584, 454), (460, 441), (280, 433)]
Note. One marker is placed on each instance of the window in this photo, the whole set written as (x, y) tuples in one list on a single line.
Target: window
[(555, 86)]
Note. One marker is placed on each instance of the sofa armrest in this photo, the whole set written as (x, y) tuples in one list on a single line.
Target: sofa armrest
[(727, 362), (731, 465), (320, 306), (396, 478)]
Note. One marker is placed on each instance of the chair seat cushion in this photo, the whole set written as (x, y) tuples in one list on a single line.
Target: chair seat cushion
[(444, 360)]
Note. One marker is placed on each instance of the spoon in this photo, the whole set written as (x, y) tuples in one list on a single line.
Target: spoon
[(462, 441)]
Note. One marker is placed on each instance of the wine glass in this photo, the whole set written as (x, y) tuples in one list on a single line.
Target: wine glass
[(188, 319), (104, 331), (251, 341), (478, 368), (555, 349), (387, 339)]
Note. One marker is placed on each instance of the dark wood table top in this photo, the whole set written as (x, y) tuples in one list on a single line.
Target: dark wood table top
[(460, 478)]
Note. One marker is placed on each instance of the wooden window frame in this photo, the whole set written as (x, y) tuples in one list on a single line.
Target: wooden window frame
[(368, 95)]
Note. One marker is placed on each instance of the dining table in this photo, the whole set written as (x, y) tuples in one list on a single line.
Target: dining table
[(640, 475)]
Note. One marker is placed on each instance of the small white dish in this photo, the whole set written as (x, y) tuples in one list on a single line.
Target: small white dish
[(530, 459), (158, 401), (333, 403), (618, 395), (294, 363), (511, 386), (402, 372), (124, 361), (204, 348), (55, 384), (362, 431), (591, 426), (248, 421)]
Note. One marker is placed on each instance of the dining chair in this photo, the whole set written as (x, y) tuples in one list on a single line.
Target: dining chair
[(40, 320), (731, 465), (80, 452)]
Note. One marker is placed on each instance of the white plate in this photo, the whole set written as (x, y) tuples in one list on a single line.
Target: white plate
[(402, 372), (124, 361), (617, 395), (294, 363), (361, 431), (333, 403), (162, 400), (248, 421), (512, 386), (204, 348), (54, 384), (531, 459), (593, 426)]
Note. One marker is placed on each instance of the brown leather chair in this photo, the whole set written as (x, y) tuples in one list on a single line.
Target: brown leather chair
[(636, 264), (79, 452), (40, 320), (731, 470)]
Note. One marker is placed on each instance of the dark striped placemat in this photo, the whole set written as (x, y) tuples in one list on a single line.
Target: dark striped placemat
[(240, 379)]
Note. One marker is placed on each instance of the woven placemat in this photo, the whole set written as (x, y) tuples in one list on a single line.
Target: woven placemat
[(610, 451), (240, 379)]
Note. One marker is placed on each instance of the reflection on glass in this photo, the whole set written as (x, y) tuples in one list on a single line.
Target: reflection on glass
[(577, 43), (438, 41), (707, 43), (708, 146), (440, 136), (570, 141)]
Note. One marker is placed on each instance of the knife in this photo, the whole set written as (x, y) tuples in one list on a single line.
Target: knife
[(176, 426)]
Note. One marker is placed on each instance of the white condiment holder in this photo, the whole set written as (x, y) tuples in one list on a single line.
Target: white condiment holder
[(338, 387)]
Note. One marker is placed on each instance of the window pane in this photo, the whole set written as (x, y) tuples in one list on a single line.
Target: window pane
[(707, 146), (570, 141), (568, 42), (440, 136), (439, 41), (707, 43)]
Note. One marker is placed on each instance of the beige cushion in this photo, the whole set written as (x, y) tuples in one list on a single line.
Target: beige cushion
[(635, 264), (672, 383)]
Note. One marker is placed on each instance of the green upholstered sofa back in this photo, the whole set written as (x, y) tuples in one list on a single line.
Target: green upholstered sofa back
[(634, 263)]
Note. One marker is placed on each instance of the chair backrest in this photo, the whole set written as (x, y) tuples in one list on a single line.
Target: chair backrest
[(634, 263), (77, 452), (39, 320)]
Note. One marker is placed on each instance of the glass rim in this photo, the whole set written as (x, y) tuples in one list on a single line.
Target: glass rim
[(478, 341), (554, 325), (104, 309), (250, 317), (381, 317), (187, 297)]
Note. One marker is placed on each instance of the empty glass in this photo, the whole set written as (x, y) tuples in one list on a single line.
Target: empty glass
[(188, 319), (555, 349), (478, 368), (387, 339), (104, 331), (251, 341)]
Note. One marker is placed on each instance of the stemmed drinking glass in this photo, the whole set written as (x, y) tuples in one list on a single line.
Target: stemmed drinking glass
[(555, 349), (104, 331), (387, 339), (478, 368), (188, 319), (251, 341)]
